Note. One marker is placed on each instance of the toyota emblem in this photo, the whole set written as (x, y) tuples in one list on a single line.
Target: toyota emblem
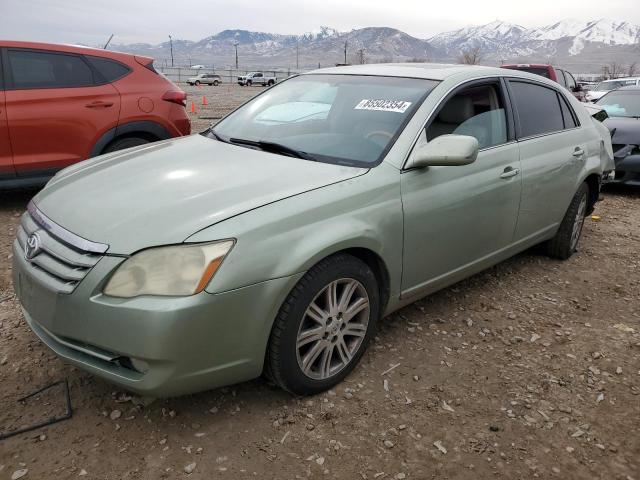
[(32, 248)]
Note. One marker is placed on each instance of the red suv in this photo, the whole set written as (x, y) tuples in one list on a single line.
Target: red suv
[(556, 74), (62, 104)]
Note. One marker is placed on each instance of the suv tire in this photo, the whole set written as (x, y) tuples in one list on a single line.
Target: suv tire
[(126, 142)]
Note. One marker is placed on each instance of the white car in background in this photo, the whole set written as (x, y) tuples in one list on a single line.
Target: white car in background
[(606, 86)]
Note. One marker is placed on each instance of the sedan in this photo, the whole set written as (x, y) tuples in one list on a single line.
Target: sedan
[(275, 241), (623, 109)]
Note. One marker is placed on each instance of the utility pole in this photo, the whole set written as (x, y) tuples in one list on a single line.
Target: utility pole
[(361, 56), (345, 52), (171, 46), (297, 55), (236, 47), (108, 42)]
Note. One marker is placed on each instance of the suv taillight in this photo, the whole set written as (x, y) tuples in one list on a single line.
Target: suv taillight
[(175, 96)]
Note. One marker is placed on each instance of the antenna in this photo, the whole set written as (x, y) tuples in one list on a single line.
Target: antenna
[(108, 42)]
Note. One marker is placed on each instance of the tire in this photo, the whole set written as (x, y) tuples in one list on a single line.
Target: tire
[(197, 83), (123, 143), (248, 83), (216, 83), (270, 83), (339, 342), (565, 242)]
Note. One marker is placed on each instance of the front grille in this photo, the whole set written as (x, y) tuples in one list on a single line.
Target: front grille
[(56, 262)]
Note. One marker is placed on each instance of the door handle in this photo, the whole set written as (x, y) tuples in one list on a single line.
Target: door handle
[(578, 152), (99, 104), (510, 172)]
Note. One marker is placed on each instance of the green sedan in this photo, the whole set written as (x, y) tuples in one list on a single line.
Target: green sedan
[(275, 241)]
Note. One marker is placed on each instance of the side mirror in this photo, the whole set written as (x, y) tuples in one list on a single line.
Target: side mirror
[(445, 150)]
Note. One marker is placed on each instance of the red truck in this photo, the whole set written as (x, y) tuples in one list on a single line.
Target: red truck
[(556, 74)]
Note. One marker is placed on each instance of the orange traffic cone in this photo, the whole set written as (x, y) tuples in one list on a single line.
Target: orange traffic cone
[(193, 107), (204, 100)]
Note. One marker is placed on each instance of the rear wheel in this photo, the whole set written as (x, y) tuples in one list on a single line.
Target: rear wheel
[(565, 242), (324, 326), (197, 83), (123, 143)]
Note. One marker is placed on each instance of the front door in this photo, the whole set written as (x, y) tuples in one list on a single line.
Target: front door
[(56, 109), (460, 219)]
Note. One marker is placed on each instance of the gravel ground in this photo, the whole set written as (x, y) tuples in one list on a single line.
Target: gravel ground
[(528, 370)]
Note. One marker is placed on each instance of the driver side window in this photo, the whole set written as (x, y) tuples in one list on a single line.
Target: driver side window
[(476, 111)]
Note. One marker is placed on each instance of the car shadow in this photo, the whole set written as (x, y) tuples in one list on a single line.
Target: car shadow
[(12, 199)]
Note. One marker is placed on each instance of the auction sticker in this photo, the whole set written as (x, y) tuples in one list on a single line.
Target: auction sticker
[(381, 105)]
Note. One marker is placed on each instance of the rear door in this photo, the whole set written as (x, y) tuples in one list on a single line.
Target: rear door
[(58, 106), (552, 154), (6, 160)]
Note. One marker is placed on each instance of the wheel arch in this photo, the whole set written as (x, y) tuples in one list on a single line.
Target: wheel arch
[(147, 129), (593, 182)]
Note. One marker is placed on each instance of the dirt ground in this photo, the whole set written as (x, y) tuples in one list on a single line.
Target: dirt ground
[(528, 370)]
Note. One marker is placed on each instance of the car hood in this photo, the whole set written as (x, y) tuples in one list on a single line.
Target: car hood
[(627, 130), (164, 192)]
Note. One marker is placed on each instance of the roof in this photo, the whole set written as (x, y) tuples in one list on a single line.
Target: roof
[(68, 48), (627, 88), (430, 71), (621, 79)]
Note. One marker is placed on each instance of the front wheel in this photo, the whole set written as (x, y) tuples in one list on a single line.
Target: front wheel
[(565, 242), (324, 326), (215, 83)]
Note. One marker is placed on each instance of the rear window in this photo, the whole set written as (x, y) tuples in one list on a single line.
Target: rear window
[(538, 109), (34, 69), (542, 71), (109, 70)]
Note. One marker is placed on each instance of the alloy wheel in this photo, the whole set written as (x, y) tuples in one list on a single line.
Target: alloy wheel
[(333, 328), (578, 222)]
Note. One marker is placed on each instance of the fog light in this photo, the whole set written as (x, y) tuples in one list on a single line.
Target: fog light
[(139, 365)]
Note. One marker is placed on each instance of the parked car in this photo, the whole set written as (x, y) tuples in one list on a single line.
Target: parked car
[(205, 79), (61, 104), (256, 78), (623, 107), (556, 74), (606, 86), (198, 67), (277, 246)]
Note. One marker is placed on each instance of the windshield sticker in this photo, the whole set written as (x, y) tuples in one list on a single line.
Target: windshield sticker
[(380, 105)]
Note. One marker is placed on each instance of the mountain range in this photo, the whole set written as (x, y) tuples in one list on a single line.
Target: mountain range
[(579, 46)]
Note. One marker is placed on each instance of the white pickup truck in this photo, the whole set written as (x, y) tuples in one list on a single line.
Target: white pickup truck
[(256, 78)]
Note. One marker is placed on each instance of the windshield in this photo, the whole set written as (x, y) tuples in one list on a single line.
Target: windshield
[(607, 86), (621, 103), (343, 119)]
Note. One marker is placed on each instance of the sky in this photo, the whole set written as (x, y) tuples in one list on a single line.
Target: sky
[(91, 22)]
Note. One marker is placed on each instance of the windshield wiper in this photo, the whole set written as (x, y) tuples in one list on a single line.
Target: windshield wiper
[(216, 136), (273, 147)]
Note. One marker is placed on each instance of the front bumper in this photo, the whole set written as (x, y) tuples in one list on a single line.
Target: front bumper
[(185, 344), (628, 170)]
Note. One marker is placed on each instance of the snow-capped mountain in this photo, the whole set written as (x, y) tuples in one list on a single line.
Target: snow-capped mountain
[(494, 36), (609, 32), (587, 45)]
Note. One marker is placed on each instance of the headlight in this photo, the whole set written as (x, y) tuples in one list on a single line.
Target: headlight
[(179, 270)]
